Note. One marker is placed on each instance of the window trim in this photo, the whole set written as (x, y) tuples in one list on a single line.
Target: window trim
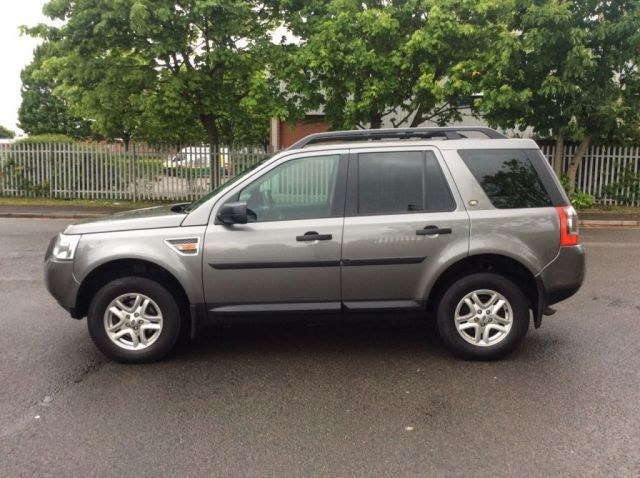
[(339, 192), (352, 197)]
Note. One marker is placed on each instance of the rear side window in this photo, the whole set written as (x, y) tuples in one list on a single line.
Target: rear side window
[(508, 178), (401, 182)]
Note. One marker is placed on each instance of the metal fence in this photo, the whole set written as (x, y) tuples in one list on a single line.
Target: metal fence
[(606, 172), (107, 171)]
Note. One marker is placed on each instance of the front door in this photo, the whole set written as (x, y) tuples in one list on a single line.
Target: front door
[(287, 257)]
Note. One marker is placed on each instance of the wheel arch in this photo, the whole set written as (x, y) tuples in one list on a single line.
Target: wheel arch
[(124, 267), (502, 265)]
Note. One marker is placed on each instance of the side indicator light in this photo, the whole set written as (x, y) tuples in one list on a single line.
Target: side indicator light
[(188, 246)]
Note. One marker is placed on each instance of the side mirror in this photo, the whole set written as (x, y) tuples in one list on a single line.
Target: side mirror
[(233, 213)]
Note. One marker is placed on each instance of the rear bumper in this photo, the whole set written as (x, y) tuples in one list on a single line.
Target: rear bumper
[(563, 277)]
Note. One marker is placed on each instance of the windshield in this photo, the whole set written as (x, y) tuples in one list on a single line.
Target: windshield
[(199, 202)]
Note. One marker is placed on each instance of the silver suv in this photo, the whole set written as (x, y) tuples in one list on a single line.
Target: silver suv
[(460, 222)]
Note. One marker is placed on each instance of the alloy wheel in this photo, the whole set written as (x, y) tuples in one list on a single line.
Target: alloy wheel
[(483, 317), (133, 321)]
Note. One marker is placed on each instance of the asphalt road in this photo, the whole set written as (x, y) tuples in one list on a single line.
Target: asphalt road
[(373, 399)]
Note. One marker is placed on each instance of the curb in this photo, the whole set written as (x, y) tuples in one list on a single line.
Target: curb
[(40, 215), (604, 223)]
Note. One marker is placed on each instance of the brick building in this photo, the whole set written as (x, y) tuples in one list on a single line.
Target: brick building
[(283, 133)]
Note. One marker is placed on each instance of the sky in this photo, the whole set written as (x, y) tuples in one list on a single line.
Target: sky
[(17, 52)]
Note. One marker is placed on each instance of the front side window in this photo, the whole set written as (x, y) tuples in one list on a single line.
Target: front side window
[(401, 182), (298, 189), (507, 177), (226, 185)]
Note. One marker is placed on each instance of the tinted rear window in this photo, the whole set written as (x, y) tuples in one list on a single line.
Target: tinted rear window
[(507, 177)]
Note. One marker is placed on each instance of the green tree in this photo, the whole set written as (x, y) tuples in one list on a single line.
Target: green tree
[(188, 62), (41, 111), (363, 60), (569, 70), (109, 88), (6, 133)]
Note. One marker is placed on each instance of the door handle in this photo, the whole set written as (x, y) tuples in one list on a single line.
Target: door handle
[(433, 230), (313, 236)]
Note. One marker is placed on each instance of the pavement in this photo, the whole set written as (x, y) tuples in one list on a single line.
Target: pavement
[(367, 399), (610, 219), (587, 218)]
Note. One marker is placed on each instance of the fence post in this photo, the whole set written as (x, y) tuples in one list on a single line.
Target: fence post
[(48, 171), (132, 174)]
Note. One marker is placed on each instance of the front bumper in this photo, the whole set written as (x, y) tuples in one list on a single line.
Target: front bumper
[(564, 276), (61, 283)]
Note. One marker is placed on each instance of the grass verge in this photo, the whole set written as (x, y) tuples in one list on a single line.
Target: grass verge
[(98, 203)]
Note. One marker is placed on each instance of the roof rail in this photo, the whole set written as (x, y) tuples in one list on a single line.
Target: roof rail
[(395, 133)]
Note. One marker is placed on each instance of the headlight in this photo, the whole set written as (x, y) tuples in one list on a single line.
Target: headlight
[(65, 247)]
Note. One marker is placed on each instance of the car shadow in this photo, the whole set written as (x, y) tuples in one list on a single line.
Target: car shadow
[(382, 335), (390, 337)]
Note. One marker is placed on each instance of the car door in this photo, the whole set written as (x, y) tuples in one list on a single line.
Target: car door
[(403, 220), (287, 257)]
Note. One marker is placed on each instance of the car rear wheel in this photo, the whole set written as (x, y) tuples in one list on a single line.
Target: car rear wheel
[(134, 319), (483, 316)]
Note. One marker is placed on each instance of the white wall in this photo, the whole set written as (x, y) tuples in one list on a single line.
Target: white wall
[(468, 119)]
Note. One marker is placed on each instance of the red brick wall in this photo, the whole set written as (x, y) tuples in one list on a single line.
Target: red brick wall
[(290, 133)]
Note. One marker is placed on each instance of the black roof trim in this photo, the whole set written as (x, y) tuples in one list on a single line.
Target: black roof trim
[(395, 133)]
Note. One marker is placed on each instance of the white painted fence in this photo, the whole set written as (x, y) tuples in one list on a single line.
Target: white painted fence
[(104, 171), (601, 167)]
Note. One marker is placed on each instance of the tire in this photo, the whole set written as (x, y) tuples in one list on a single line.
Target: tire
[(474, 332), (155, 328)]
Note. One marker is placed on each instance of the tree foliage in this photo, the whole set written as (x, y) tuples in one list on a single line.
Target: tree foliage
[(164, 70), (567, 69), (41, 110), (363, 60), (6, 133)]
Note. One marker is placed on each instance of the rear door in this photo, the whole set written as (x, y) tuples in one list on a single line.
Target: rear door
[(403, 221)]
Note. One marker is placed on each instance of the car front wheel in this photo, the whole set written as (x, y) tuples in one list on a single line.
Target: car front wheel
[(134, 319)]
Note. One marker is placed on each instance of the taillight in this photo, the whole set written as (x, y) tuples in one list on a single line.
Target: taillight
[(568, 226)]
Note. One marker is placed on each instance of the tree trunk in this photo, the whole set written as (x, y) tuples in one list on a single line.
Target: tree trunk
[(213, 136), (126, 140), (417, 118), (375, 120), (576, 159), (558, 155)]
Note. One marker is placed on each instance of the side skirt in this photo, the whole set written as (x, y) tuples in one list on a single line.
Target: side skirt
[(227, 314)]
